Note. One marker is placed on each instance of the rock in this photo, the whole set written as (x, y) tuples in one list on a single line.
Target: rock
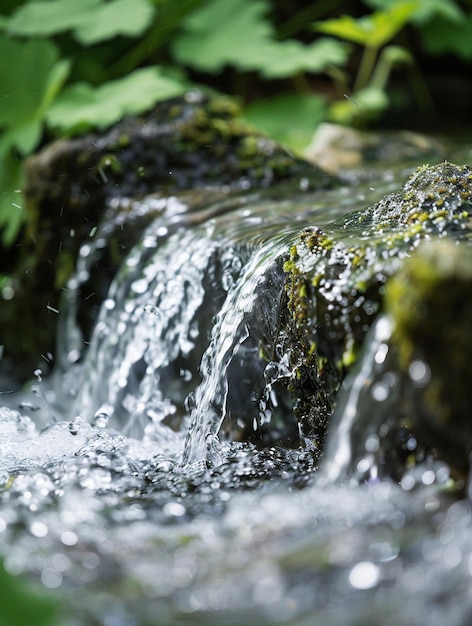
[(110, 186), (342, 150), (336, 280), (406, 398), (430, 303)]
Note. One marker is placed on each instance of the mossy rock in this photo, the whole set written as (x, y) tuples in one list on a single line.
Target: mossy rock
[(120, 180), (336, 277)]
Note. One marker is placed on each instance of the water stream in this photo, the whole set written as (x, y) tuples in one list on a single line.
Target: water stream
[(130, 488)]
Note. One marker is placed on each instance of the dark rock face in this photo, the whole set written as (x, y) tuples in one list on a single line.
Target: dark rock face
[(336, 281)]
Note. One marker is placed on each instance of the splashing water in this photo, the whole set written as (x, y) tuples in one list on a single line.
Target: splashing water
[(147, 322), (118, 477), (230, 332)]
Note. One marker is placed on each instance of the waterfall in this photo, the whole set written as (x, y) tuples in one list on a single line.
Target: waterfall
[(230, 332)]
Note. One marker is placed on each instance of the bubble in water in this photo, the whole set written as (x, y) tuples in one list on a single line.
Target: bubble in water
[(420, 373), (173, 509), (364, 575), (102, 416), (51, 578), (39, 529)]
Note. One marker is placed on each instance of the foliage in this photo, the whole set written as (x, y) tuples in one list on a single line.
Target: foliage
[(20, 604), (69, 66)]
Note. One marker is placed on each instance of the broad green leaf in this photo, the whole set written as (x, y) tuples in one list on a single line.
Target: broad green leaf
[(122, 17), (441, 37), (25, 136), (290, 57), (291, 118), (30, 77), (51, 17), (82, 106), (426, 9), (223, 32), (90, 20), (212, 39), (24, 76), (373, 30)]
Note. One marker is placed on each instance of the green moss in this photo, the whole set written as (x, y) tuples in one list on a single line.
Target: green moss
[(336, 277), (430, 302)]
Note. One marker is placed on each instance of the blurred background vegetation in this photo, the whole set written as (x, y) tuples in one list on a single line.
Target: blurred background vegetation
[(68, 66)]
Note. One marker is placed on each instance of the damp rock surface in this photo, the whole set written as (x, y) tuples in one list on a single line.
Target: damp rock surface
[(337, 276)]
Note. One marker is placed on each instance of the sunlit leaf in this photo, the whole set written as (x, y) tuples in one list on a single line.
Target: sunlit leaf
[(373, 30), (82, 106), (426, 9), (291, 119), (90, 20)]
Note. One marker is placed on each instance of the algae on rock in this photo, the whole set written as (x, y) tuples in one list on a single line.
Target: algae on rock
[(336, 280)]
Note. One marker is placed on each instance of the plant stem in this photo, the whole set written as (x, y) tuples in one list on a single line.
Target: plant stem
[(365, 68)]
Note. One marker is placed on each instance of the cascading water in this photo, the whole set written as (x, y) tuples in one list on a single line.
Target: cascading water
[(123, 475)]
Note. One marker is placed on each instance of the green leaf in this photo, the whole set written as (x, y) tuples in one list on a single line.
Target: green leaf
[(82, 106), (290, 57), (30, 77), (25, 136), (291, 118), (212, 40), (442, 37), (90, 20), (224, 32), (372, 31), (426, 9), (122, 17), (51, 17)]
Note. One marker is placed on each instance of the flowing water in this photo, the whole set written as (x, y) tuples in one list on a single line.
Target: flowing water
[(125, 490)]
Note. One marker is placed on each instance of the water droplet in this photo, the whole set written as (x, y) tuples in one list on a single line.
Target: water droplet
[(420, 373), (381, 353), (364, 575), (102, 416), (38, 372), (372, 443), (39, 529), (51, 578), (380, 391), (173, 509), (69, 538)]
